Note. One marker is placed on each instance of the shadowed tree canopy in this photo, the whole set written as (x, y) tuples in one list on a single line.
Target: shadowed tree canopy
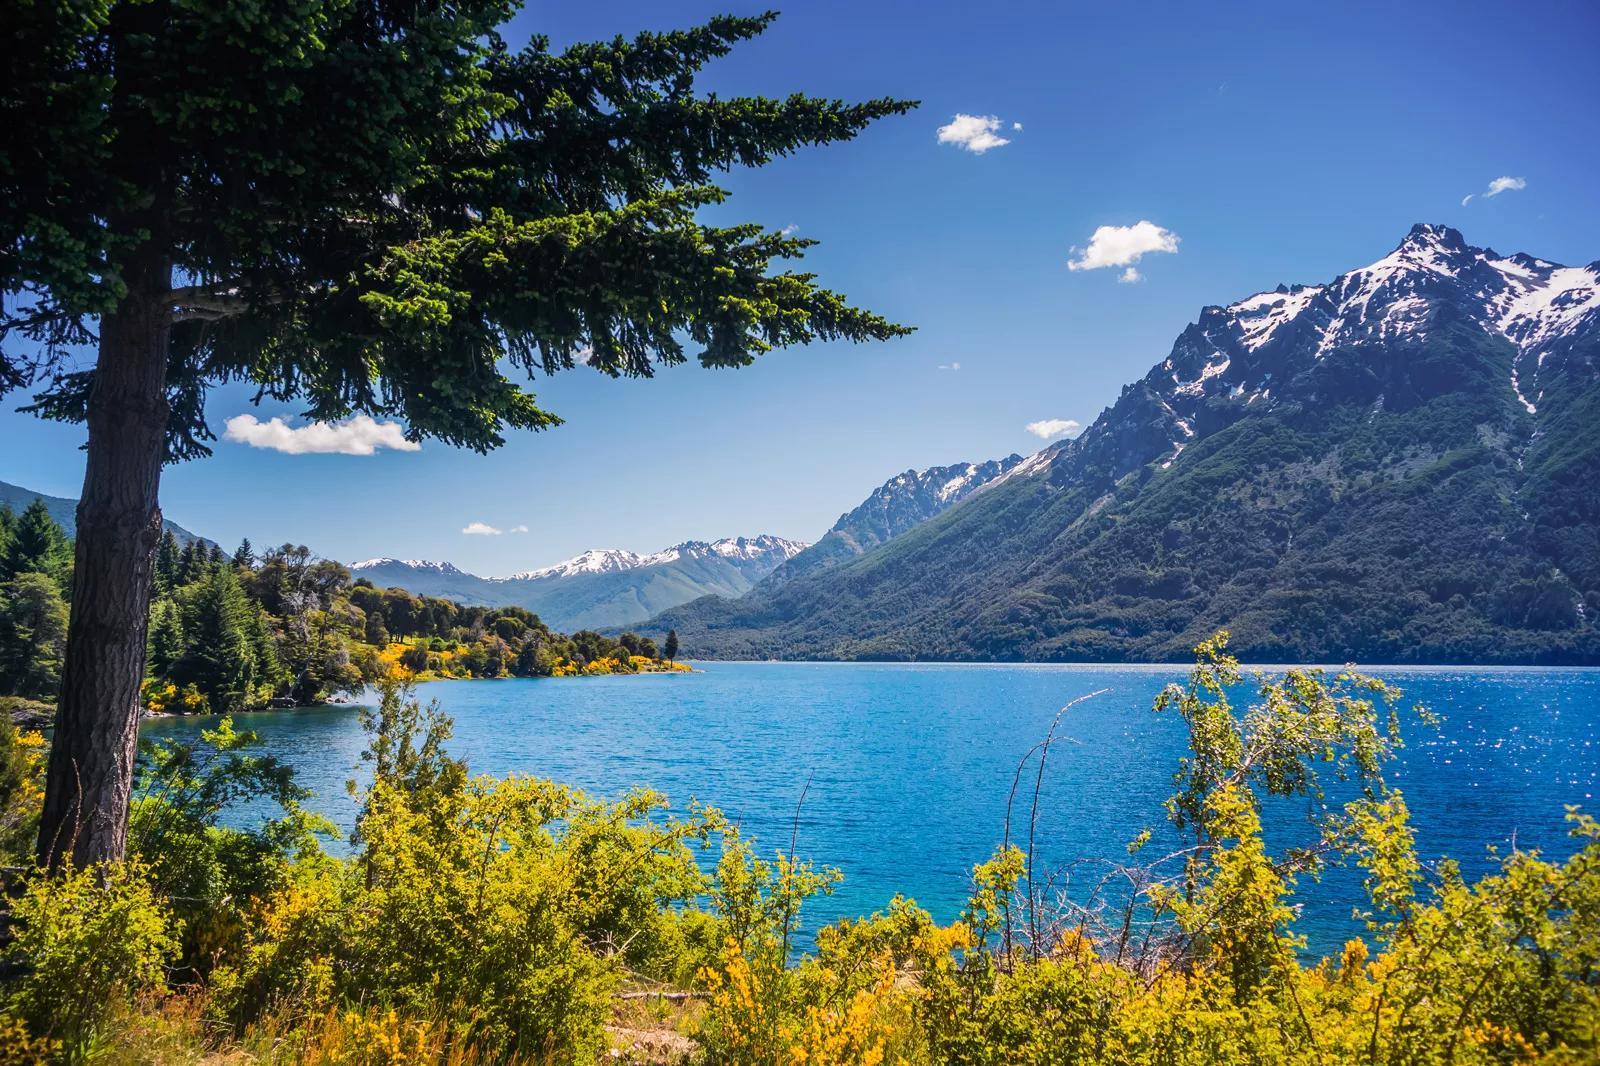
[(364, 206), (378, 207)]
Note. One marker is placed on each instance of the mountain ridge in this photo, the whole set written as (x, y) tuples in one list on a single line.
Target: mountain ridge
[(1399, 462), (600, 588), (64, 511), (891, 509)]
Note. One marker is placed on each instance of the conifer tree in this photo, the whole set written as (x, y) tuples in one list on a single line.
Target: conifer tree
[(243, 556), (376, 633), (37, 545), (168, 558), (218, 657), (365, 207), (669, 650), (188, 565), (166, 638), (33, 636)]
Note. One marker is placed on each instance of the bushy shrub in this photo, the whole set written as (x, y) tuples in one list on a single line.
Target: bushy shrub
[(86, 938), (216, 874), (501, 909), (21, 789)]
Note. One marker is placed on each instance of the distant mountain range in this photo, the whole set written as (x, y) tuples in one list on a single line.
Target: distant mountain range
[(599, 589), (65, 511), (1402, 464)]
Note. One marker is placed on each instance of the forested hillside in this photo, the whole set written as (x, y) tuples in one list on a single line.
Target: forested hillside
[(241, 632), (1402, 465), (65, 511)]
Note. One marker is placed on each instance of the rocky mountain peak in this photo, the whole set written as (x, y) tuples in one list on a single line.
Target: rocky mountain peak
[(1274, 347)]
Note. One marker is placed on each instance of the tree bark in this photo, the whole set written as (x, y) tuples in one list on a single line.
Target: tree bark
[(90, 781)]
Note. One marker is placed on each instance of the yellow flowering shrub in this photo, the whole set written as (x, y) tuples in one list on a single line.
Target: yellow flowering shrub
[(169, 699)]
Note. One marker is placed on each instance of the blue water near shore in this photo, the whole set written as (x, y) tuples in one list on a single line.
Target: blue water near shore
[(910, 766)]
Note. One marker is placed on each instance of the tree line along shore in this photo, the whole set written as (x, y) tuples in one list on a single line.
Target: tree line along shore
[(282, 628)]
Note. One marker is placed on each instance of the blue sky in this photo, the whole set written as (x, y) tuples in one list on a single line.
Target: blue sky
[(1277, 142)]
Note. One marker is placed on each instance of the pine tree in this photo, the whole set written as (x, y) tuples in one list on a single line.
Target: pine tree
[(33, 636), (168, 559), (218, 658), (377, 634), (37, 545), (371, 208), (165, 644), (243, 557), (188, 565), (669, 650)]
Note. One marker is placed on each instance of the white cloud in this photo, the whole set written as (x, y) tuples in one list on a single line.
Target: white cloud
[(975, 133), (1500, 185), (1120, 246), (355, 436), (949, 366), (790, 230), (1050, 428), (480, 529), (1465, 198), (1129, 276), (1016, 125), (519, 529)]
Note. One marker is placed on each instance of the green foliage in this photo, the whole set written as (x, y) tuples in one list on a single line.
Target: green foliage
[(21, 789), (388, 214), (226, 653), (505, 908), (1500, 971), (89, 938), (215, 874), (33, 636), (34, 543), (480, 919)]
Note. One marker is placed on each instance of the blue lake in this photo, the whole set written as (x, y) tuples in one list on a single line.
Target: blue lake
[(910, 765)]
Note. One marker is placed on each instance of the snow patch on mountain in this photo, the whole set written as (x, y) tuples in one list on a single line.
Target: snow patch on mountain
[(612, 560), (415, 564), (1537, 305)]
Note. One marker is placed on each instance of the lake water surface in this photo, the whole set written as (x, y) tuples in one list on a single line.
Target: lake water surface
[(910, 765)]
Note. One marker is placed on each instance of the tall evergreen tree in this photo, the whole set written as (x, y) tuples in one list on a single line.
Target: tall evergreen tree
[(669, 649), (367, 206), (219, 657), (8, 526), (188, 564), (37, 545), (165, 644), (377, 633), (168, 557), (33, 636), (243, 556)]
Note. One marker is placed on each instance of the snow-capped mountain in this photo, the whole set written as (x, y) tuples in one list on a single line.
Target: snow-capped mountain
[(1432, 280), (1400, 463), (759, 550), (448, 569), (897, 505), (605, 587)]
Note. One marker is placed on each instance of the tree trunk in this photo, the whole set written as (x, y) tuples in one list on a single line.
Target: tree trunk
[(85, 817)]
